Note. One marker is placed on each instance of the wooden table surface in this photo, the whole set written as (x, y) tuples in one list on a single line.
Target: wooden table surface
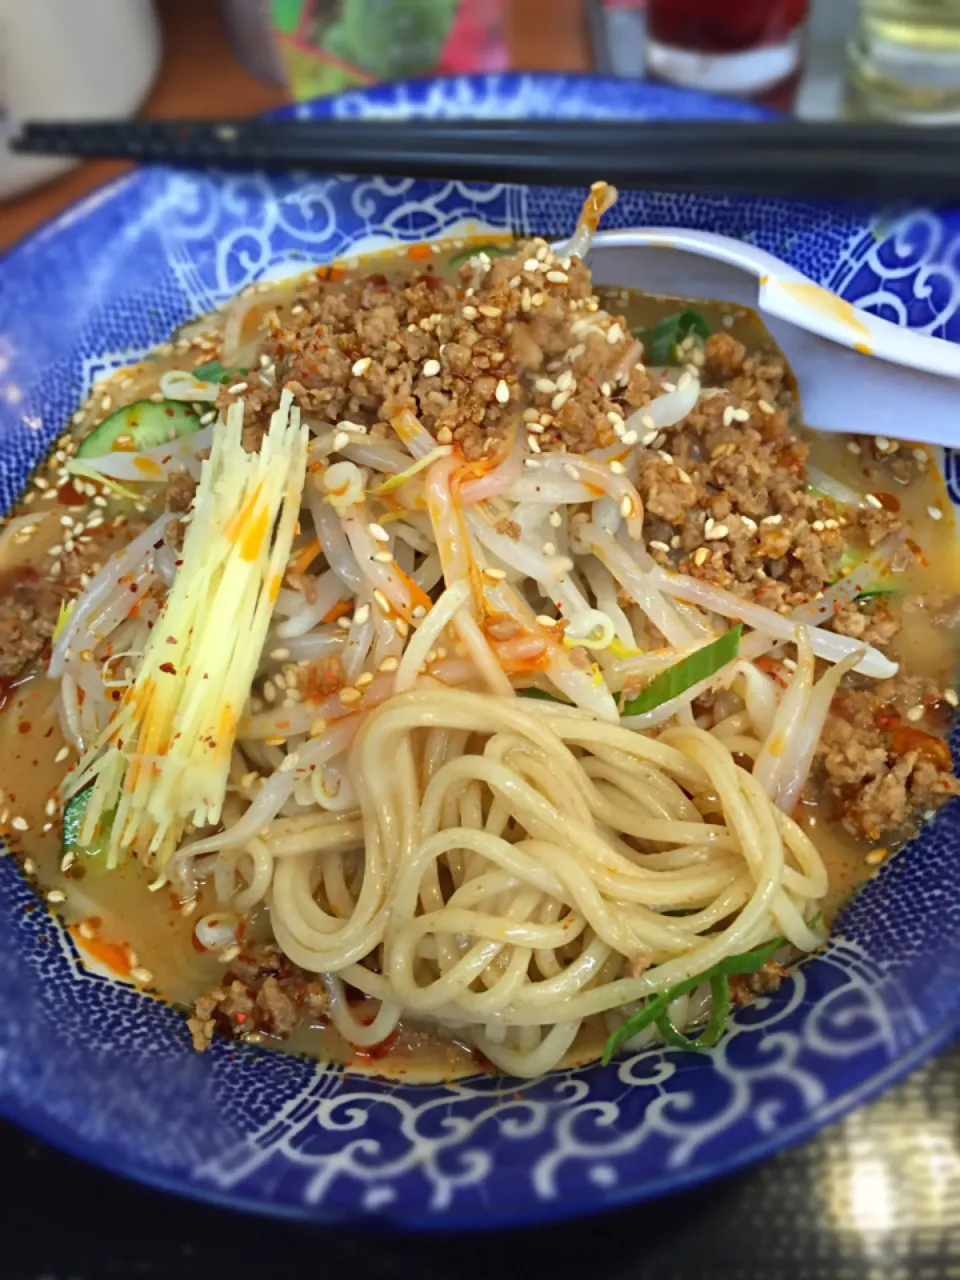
[(199, 76)]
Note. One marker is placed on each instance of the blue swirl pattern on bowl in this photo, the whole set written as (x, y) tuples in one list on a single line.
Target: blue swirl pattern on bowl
[(92, 1065)]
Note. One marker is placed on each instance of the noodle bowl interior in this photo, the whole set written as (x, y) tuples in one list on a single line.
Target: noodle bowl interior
[(440, 663)]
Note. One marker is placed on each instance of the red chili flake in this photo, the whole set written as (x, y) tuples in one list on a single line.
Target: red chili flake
[(889, 501), (240, 1018), (886, 716), (69, 496), (171, 639), (386, 1046), (917, 551), (169, 668), (24, 726), (168, 412)]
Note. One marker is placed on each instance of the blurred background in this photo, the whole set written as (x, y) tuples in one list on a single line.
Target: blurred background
[(820, 59)]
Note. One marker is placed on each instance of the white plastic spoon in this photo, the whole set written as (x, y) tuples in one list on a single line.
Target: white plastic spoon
[(857, 372)]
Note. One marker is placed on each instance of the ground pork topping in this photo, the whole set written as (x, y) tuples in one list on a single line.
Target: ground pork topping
[(881, 757), (263, 992), (524, 332)]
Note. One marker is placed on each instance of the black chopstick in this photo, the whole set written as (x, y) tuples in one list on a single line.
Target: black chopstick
[(779, 158)]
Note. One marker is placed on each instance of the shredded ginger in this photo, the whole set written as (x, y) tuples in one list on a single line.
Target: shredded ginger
[(162, 762)]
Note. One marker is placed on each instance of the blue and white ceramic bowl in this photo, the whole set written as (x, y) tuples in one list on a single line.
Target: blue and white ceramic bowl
[(109, 1074)]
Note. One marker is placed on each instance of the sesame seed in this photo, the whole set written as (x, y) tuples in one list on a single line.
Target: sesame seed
[(402, 627), (549, 549), (700, 555), (20, 824), (56, 895), (50, 808), (614, 333), (629, 437), (777, 519), (280, 654), (469, 313), (716, 532), (538, 299), (921, 456), (381, 600), (532, 463), (765, 406), (340, 440), (365, 678), (728, 415), (525, 299), (495, 575), (570, 470), (377, 531), (534, 444), (934, 513), (916, 713), (360, 367), (853, 447), (626, 506), (876, 856), (542, 252), (565, 381), (950, 695), (649, 437), (350, 695), (546, 386), (882, 443), (559, 400), (616, 467), (531, 264), (545, 620), (431, 368), (557, 277), (344, 623), (741, 415), (389, 664), (555, 519), (383, 557), (531, 415), (361, 615), (490, 311), (818, 526), (143, 977), (873, 501), (749, 524), (659, 546), (61, 755), (502, 392)]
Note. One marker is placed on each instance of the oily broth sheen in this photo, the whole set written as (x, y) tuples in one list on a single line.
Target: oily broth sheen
[(116, 907)]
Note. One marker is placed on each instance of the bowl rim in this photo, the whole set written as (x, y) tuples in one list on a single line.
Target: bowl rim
[(42, 1125)]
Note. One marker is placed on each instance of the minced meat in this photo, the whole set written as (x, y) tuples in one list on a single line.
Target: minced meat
[(263, 992), (29, 607), (881, 758)]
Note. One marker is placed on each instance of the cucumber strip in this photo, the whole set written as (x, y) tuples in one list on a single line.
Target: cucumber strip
[(73, 815), (214, 371), (146, 424)]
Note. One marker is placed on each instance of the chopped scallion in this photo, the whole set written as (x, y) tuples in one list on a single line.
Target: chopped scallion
[(660, 342), (696, 666)]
